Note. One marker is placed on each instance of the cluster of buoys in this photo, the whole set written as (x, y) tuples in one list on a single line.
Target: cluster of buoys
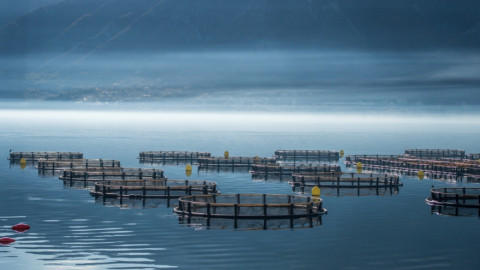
[(20, 228)]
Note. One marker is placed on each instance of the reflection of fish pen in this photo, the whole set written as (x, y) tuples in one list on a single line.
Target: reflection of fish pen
[(232, 162), (123, 174), (312, 155), (152, 189), (136, 203), (435, 153), (76, 164), (341, 192), (262, 169), (249, 206), (454, 211), (250, 224), (171, 156), (29, 156), (346, 180), (458, 197)]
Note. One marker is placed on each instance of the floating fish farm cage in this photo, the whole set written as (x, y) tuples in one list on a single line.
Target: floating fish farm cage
[(232, 162), (35, 156), (350, 191), (275, 169), (472, 157), (250, 206), (411, 172), (352, 159), (122, 174), (307, 155), (249, 224), (77, 164), (346, 180), (171, 156), (144, 189), (416, 164), (435, 153), (457, 197)]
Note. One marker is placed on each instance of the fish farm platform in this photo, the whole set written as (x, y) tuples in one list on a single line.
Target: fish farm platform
[(346, 180), (250, 206), (457, 197), (261, 169), (35, 156), (166, 156), (141, 189)]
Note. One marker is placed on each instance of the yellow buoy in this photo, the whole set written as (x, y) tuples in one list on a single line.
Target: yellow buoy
[(316, 191), (359, 167), (23, 165), (421, 175), (256, 159), (188, 170), (226, 154), (342, 153), (23, 161)]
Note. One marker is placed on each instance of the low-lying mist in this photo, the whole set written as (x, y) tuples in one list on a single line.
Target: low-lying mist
[(310, 79)]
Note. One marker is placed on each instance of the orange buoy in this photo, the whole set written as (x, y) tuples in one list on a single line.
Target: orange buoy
[(21, 227), (6, 240)]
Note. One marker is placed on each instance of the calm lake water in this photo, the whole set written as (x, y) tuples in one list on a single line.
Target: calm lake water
[(70, 230)]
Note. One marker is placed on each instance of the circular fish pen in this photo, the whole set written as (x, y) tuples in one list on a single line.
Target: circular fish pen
[(262, 169), (250, 206), (457, 197), (346, 180), (141, 189)]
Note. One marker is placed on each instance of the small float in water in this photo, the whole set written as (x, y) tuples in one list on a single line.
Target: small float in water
[(21, 227)]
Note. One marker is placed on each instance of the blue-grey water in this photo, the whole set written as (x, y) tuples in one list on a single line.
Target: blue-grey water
[(70, 230)]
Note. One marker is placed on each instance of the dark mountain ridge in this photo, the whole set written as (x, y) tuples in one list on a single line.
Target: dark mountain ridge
[(89, 26)]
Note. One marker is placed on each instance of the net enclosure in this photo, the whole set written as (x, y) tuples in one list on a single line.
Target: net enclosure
[(136, 189), (250, 206), (458, 197), (346, 180)]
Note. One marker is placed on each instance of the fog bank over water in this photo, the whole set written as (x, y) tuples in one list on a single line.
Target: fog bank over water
[(226, 121), (251, 79)]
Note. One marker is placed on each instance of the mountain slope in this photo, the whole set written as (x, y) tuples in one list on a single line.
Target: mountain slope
[(86, 26)]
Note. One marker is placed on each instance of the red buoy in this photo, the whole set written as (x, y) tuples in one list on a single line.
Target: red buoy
[(21, 227), (6, 240)]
